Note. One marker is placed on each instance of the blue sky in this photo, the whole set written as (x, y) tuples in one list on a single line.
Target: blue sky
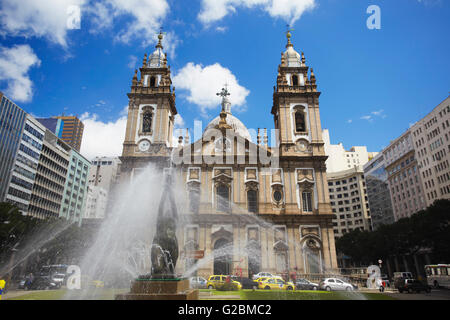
[(374, 83)]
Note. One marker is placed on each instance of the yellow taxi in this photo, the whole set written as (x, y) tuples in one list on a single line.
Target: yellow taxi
[(215, 280), (275, 283)]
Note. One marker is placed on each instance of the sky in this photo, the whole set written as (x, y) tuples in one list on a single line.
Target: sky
[(78, 57)]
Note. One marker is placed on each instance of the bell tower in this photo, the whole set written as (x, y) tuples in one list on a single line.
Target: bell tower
[(151, 112), (296, 105)]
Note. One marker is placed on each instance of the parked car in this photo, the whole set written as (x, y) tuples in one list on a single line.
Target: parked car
[(262, 274), (275, 283), (198, 282), (216, 280), (330, 284), (304, 284), (246, 282), (400, 277), (58, 278), (43, 283), (413, 285)]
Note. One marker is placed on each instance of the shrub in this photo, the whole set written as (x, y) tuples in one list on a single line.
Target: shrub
[(230, 286)]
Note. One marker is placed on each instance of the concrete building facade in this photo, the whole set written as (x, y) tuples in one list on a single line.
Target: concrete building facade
[(348, 196), (12, 123), (75, 188), (50, 178), (340, 159), (404, 179), (71, 132), (430, 138), (26, 164), (378, 192)]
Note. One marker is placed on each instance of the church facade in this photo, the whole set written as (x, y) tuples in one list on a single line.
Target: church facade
[(251, 207)]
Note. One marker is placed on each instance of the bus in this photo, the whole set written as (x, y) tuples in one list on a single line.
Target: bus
[(438, 275)]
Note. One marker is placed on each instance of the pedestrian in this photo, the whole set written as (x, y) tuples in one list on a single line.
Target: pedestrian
[(2, 287)]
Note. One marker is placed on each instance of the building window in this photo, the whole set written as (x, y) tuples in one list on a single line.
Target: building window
[(307, 201), (252, 201), (152, 81), (194, 199), (300, 125), (147, 122), (223, 198), (277, 196), (295, 80)]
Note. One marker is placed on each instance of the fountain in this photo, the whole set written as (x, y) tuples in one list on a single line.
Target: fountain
[(162, 283)]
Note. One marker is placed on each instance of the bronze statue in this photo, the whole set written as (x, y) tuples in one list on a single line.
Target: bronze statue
[(164, 252)]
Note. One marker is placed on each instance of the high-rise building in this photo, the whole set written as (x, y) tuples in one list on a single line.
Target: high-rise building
[(76, 188), (417, 165), (50, 178), (431, 140), (72, 131), (103, 179), (104, 172), (347, 186), (348, 196), (377, 185), (12, 122), (340, 159), (55, 125), (96, 203), (404, 179), (25, 166)]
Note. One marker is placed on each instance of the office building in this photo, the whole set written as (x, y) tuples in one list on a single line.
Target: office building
[(348, 196), (378, 192)]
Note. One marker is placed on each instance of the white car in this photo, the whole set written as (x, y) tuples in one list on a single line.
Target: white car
[(197, 282), (262, 274), (330, 284)]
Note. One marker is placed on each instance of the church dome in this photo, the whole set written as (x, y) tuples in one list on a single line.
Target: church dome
[(237, 125), (292, 57), (156, 59)]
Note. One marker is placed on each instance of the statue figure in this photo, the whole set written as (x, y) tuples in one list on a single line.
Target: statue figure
[(164, 252)]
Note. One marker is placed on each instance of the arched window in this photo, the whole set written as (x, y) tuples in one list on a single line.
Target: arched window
[(300, 125), (152, 81), (252, 201), (194, 199), (223, 198), (147, 122), (295, 80), (307, 201)]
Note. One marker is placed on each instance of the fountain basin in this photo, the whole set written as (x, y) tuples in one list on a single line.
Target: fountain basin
[(160, 289)]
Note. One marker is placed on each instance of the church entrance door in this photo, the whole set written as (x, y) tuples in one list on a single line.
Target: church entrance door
[(223, 252)]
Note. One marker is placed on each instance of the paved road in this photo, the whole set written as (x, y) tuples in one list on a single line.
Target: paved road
[(435, 294)]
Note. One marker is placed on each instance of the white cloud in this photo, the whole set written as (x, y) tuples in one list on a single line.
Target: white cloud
[(15, 63), (288, 10), (146, 19), (102, 138), (132, 60), (368, 118), (31, 18), (379, 113), (202, 84)]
